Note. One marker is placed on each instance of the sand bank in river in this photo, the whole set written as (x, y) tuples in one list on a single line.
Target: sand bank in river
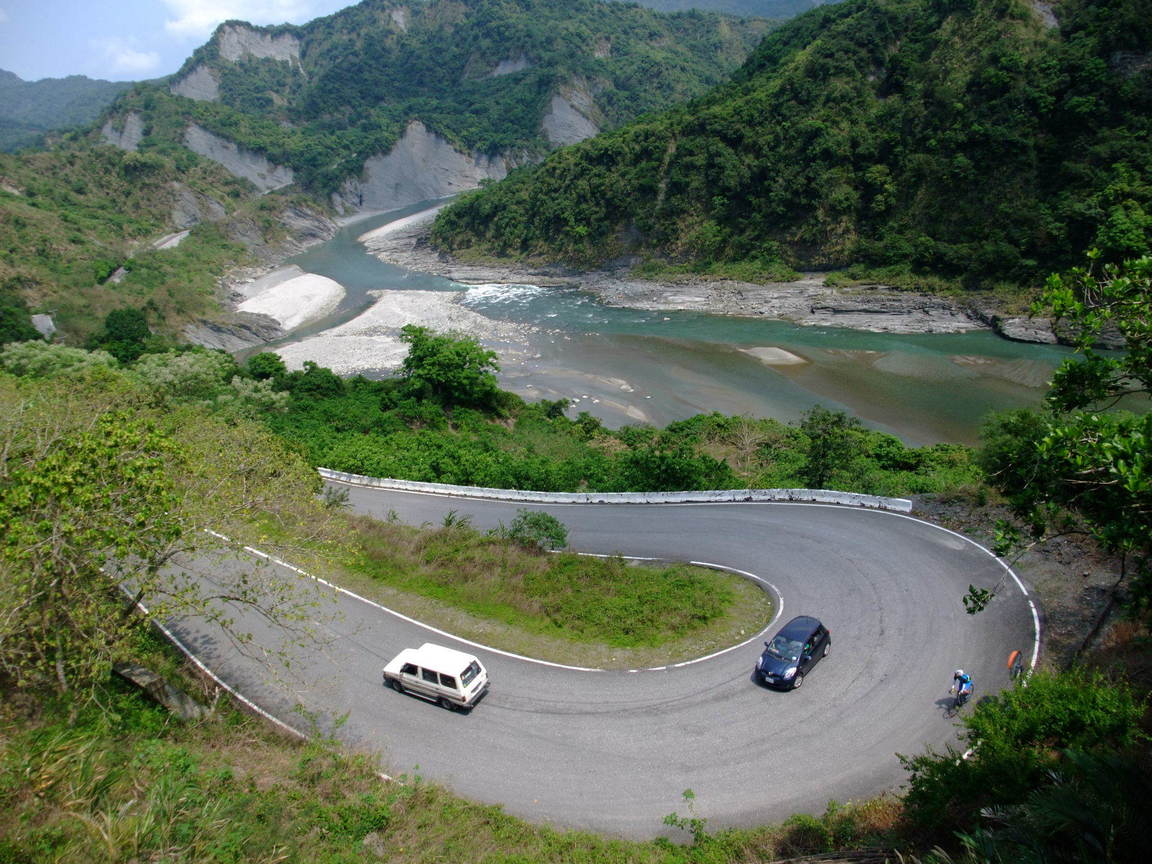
[(292, 297), (371, 341)]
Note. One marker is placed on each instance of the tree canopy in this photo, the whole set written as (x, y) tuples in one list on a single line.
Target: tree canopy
[(906, 138), (1085, 464), (104, 502)]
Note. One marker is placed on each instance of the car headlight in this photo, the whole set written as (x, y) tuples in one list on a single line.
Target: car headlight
[(790, 671)]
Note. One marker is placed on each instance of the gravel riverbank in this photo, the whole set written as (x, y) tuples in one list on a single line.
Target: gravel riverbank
[(808, 301)]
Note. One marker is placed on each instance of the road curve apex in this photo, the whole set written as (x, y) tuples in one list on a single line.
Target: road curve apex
[(715, 496)]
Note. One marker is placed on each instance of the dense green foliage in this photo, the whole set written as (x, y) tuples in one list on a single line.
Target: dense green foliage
[(960, 138), (28, 109), (101, 486), (15, 319), (1083, 464), (1035, 745), (377, 428), (366, 71), (448, 371), (758, 8)]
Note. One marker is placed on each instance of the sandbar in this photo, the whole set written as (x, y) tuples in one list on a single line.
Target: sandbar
[(775, 356), (296, 301), (371, 340)]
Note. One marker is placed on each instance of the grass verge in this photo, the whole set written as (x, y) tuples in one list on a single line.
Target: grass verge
[(126, 782), (580, 610)]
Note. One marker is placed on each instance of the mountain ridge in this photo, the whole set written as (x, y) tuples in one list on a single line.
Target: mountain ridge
[(962, 139), (501, 83)]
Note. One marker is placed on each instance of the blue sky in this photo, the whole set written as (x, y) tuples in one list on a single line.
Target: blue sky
[(127, 40)]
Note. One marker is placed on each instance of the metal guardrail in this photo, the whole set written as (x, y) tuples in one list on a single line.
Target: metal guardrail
[(715, 496)]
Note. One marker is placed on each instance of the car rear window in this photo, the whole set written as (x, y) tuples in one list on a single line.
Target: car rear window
[(471, 672)]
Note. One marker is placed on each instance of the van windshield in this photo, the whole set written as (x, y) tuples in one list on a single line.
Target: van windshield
[(471, 672)]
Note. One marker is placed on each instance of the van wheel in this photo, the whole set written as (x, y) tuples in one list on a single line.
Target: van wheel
[(397, 686), (445, 703)]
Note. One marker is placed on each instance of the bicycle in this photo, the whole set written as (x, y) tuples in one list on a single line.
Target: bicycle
[(961, 689), (1015, 665)]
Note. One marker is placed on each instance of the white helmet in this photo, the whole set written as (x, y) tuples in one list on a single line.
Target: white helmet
[(959, 673)]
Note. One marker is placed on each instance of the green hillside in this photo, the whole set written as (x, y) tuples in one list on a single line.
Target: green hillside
[(28, 109), (964, 138), (323, 97), (775, 9), (80, 223)]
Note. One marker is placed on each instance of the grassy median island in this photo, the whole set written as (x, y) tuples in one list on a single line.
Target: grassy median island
[(565, 607)]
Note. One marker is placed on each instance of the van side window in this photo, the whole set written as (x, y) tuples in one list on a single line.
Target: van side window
[(409, 669), (429, 675), (471, 672), (448, 680)]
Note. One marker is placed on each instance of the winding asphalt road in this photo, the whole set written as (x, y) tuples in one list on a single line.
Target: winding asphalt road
[(614, 751)]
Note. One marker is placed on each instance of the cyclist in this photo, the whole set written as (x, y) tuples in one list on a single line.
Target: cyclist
[(961, 686)]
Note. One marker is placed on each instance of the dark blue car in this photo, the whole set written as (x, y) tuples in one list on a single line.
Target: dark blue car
[(791, 654)]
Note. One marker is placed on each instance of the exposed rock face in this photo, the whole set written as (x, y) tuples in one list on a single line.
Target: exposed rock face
[(237, 41), (244, 331), (45, 325), (570, 117), (1046, 13), (191, 208), (420, 167), (252, 166), (510, 65), (1020, 328), (200, 84), (128, 137), (305, 228), (400, 18)]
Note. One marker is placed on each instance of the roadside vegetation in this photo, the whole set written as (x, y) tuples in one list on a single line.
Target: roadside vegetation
[(111, 453), (154, 424)]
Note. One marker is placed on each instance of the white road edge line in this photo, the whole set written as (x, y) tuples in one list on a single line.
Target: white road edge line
[(489, 648)]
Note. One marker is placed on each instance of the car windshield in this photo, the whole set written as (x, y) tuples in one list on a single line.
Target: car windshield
[(783, 648)]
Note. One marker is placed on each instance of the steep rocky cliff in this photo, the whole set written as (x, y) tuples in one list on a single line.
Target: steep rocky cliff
[(250, 165), (421, 166)]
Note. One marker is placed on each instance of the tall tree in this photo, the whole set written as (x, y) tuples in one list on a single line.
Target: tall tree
[(1084, 465), (104, 505)]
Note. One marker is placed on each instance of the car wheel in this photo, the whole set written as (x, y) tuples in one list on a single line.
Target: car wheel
[(827, 645), (798, 680), (445, 703)]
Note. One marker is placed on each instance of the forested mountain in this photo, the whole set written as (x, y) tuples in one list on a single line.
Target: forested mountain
[(497, 82), (28, 109), (373, 107), (776, 9), (989, 140)]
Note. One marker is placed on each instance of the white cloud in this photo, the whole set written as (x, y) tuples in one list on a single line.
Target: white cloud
[(123, 58), (199, 18)]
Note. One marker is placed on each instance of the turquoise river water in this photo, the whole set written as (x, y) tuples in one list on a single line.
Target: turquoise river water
[(628, 366)]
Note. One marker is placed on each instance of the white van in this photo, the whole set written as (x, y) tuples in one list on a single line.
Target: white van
[(444, 675)]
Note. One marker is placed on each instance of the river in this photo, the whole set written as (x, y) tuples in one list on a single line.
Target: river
[(627, 366)]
